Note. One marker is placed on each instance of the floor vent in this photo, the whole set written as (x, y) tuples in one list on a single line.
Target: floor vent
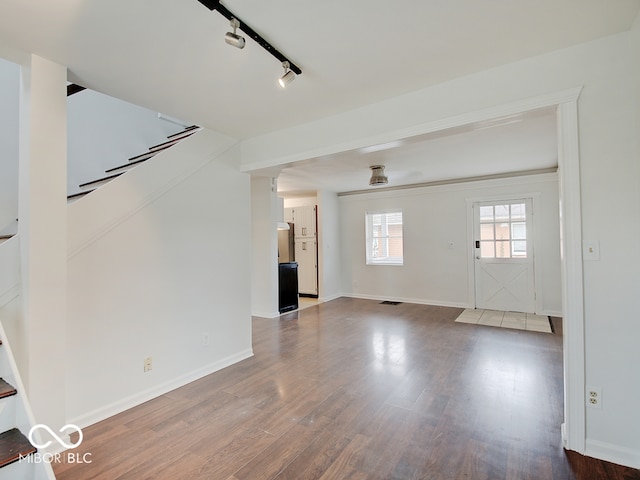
[(387, 302)]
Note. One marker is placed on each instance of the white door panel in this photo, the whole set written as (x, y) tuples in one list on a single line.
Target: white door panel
[(504, 275)]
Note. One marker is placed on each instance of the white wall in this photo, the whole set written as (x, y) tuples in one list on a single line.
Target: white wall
[(433, 217), (9, 124), (42, 209), (265, 213), (329, 246), (152, 281), (300, 201), (610, 181), (104, 132)]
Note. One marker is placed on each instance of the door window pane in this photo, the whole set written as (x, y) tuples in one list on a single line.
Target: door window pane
[(486, 214), (503, 249), (486, 232), (519, 231), (503, 230), (517, 211), (487, 250), (502, 213), (519, 249)]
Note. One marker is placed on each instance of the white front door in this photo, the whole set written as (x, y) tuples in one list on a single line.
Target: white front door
[(504, 276)]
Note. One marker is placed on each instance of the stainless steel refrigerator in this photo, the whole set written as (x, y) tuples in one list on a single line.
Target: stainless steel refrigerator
[(286, 245)]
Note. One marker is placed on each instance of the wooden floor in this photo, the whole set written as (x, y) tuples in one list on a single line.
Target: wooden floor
[(352, 389)]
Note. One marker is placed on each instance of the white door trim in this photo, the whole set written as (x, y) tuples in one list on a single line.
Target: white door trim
[(574, 427)]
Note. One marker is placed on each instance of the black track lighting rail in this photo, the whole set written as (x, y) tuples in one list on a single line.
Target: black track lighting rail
[(224, 11)]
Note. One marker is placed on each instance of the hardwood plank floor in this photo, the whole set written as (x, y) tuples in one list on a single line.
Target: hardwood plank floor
[(352, 389)]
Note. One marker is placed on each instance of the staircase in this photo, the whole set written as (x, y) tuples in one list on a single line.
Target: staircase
[(17, 459), (133, 162)]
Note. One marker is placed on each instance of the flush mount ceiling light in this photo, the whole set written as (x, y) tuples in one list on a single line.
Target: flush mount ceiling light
[(377, 176), (238, 41), (232, 38), (288, 76)]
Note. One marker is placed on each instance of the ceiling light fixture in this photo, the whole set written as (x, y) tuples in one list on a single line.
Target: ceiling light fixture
[(377, 176), (233, 38), (288, 76), (240, 25)]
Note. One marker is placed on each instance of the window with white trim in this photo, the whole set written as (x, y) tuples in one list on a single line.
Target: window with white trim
[(384, 238)]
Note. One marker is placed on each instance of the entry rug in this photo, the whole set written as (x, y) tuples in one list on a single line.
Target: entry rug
[(517, 320)]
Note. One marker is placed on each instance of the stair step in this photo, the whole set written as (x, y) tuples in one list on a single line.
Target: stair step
[(100, 181), (145, 155), (114, 172), (167, 144), (6, 389), (13, 446), (173, 140), (187, 129), (78, 195)]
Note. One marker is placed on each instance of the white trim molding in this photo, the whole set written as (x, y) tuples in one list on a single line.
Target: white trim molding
[(572, 275), (613, 453)]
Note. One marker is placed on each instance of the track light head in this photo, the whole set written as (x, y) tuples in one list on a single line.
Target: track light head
[(288, 76), (232, 38)]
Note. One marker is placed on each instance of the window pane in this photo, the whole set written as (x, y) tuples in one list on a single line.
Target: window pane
[(384, 238), (519, 231), (486, 250), (486, 231), (520, 249), (502, 231), (395, 247), (486, 214), (517, 211), (503, 250), (502, 213)]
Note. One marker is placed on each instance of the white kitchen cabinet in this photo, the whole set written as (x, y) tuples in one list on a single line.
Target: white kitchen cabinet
[(307, 258), (304, 221), (288, 215)]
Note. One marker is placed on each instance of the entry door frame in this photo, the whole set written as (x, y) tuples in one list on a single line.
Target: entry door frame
[(533, 237)]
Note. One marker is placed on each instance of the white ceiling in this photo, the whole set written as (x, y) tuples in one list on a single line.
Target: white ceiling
[(170, 56), (515, 144)]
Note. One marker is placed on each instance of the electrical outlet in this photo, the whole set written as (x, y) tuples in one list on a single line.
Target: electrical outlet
[(594, 397), (205, 339), (148, 364)]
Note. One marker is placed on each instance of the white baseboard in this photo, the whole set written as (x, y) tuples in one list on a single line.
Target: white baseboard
[(265, 315), (419, 301), (613, 453), (329, 298), (120, 406)]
